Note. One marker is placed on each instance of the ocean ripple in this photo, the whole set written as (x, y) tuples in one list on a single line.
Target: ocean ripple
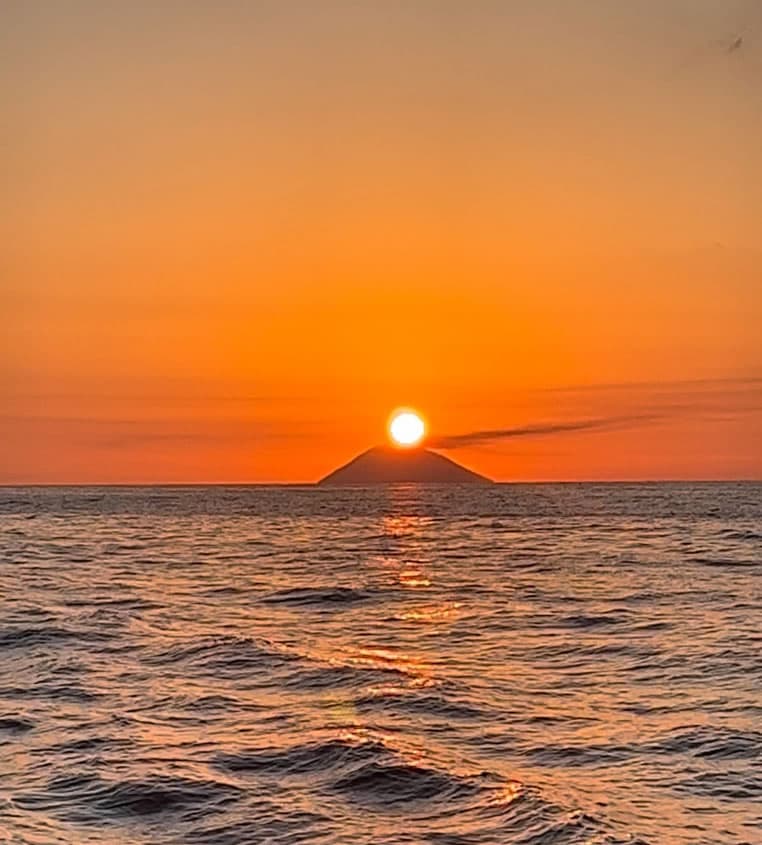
[(89, 798), (527, 664)]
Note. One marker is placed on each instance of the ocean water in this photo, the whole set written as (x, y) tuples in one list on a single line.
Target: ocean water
[(533, 664)]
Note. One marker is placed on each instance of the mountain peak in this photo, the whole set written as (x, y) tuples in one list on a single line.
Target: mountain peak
[(390, 465)]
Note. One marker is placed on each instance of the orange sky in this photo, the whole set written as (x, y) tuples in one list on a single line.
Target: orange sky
[(236, 235)]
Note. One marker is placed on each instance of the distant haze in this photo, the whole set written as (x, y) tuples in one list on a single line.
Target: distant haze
[(237, 235)]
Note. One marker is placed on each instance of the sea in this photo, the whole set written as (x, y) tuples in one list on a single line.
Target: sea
[(537, 664)]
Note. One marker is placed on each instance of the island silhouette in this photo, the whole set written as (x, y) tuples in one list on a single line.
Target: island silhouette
[(394, 465)]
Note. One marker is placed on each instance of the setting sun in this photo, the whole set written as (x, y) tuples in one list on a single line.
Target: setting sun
[(406, 428)]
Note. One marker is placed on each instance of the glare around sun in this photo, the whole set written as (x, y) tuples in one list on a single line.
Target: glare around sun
[(406, 428)]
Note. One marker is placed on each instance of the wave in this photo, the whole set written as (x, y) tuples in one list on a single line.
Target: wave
[(47, 635), (218, 703), (300, 759), (562, 651), (701, 742), (453, 807), (272, 824), (14, 724), (87, 745), (581, 755), (103, 603), (724, 563), (712, 743), (54, 692), (318, 596), (362, 769), (738, 785), (264, 664), (89, 798), (314, 678), (414, 701), (224, 654), (590, 620), (740, 534), (394, 783)]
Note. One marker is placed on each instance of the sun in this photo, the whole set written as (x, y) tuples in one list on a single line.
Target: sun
[(406, 428)]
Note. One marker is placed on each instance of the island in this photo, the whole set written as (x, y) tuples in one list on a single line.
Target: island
[(393, 465)]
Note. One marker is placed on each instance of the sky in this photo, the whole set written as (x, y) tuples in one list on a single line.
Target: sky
[(236, 235)]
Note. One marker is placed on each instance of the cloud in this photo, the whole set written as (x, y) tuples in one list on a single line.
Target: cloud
[(626, 406), (477, 438), (705, 386)]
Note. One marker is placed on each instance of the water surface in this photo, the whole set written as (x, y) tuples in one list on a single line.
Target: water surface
[(512, 664)]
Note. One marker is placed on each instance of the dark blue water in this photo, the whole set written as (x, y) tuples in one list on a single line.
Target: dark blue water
[(512, 664)]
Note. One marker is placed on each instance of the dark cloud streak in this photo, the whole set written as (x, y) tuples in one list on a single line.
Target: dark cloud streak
[(678, 386), (628, 406), (477, 438)]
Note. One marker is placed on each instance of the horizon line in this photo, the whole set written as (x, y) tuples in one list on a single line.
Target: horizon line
[(624, 480)]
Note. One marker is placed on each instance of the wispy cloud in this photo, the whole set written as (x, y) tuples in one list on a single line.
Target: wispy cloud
[(625, 405), (541, 429)]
